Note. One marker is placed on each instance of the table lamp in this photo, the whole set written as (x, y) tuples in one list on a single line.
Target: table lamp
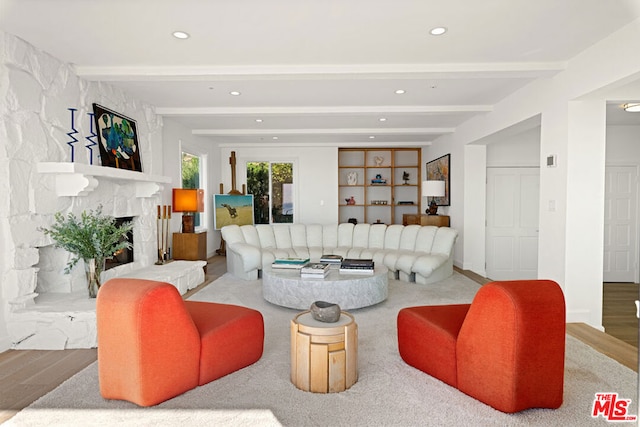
[(433, 189), (188, 201)]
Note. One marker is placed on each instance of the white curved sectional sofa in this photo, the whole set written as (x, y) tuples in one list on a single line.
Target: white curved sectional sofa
[(412, 252)]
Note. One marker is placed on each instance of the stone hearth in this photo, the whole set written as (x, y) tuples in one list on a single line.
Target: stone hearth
[(51, 310), (58, 321)]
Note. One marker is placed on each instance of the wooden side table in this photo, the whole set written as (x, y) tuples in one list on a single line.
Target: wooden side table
[(422, 219), (190, 246), (324, 356)]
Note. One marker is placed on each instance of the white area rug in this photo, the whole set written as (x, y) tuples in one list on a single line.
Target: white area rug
[(388, 391)]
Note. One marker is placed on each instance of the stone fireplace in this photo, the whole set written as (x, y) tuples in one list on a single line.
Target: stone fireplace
[(52, 310), (124, 256), (47, 165)]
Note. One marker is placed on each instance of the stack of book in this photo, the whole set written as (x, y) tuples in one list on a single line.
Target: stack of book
[(290, 263), (315, 270), (357, 266), (334, 261)]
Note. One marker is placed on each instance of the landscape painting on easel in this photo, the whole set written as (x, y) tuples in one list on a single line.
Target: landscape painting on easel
[(117, 139), (232, 209)]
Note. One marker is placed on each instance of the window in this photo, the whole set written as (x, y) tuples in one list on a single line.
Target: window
[(271, 184), (191, 177)]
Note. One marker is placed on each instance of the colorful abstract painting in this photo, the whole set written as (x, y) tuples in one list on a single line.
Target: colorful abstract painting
[(117, 139), (438, 170)]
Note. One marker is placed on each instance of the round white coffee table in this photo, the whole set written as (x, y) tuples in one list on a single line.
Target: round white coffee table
[(349, 291)]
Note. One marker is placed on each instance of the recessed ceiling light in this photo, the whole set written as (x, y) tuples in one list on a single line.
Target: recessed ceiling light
[(372, 137), (259, 120), (400, 91), (382, 119), (181, 35), (275, 137), (234, 93), (438, 31), (632, 108)]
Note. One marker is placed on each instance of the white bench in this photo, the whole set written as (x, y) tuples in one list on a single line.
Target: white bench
[(184, 275)]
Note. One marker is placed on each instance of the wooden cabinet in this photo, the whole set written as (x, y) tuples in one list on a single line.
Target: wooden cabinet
[(190, 246), (378, 184), (422, 219)]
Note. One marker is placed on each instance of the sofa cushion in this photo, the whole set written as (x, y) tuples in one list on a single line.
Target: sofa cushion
[(443, 241), (314, 236), (408, 237), (298, 235), (250, 234), (282, 234), (226, 330), (233, 234), (376, 236), (267, 238), (361, 235), (330, 236), (424, 265), (427, 338), (424, 239)]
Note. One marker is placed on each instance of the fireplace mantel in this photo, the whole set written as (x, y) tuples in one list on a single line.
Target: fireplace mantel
[(80, 179)]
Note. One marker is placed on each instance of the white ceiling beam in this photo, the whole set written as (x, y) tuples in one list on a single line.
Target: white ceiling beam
[(343, 144), (334, 110), (321, 72), (376, 131)]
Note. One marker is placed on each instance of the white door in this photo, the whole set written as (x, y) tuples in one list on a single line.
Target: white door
[(620, 201), (512, 223)]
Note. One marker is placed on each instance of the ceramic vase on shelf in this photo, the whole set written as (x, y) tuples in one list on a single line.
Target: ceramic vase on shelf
[(352, 178), (93, 268)]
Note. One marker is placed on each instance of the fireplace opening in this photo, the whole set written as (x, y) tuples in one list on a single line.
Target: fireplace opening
[(125, 256)]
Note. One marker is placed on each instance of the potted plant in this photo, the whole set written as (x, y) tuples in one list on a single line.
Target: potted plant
[(94, 238)]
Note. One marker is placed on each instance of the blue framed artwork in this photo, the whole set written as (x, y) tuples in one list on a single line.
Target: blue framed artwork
[(232, 209)]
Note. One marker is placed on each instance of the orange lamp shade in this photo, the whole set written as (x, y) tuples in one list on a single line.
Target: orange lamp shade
[(188, 200)]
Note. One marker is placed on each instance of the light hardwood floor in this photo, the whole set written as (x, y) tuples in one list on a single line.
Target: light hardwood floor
[(619, 311), (25, 375)]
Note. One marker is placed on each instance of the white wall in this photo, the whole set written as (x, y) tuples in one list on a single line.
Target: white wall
[(623, 145), (473, 230), (315, 177), (510, 150), (521, 150), (570, 235)]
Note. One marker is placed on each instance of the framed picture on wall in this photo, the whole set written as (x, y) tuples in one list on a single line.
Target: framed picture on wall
[(117, 139), (232, 209), (439, 170)]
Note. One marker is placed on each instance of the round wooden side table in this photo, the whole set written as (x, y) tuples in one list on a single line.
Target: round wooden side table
[(324, 356)]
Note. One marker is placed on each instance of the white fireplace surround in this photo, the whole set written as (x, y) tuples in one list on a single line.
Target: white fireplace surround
[(76, 187)]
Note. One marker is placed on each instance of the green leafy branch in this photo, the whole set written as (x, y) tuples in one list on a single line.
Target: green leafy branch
[(93, 235)]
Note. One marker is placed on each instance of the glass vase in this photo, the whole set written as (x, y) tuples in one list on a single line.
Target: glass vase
[(93, 268)]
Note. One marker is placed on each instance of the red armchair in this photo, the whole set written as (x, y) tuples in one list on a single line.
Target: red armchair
[(505, 349), (153, 346)]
